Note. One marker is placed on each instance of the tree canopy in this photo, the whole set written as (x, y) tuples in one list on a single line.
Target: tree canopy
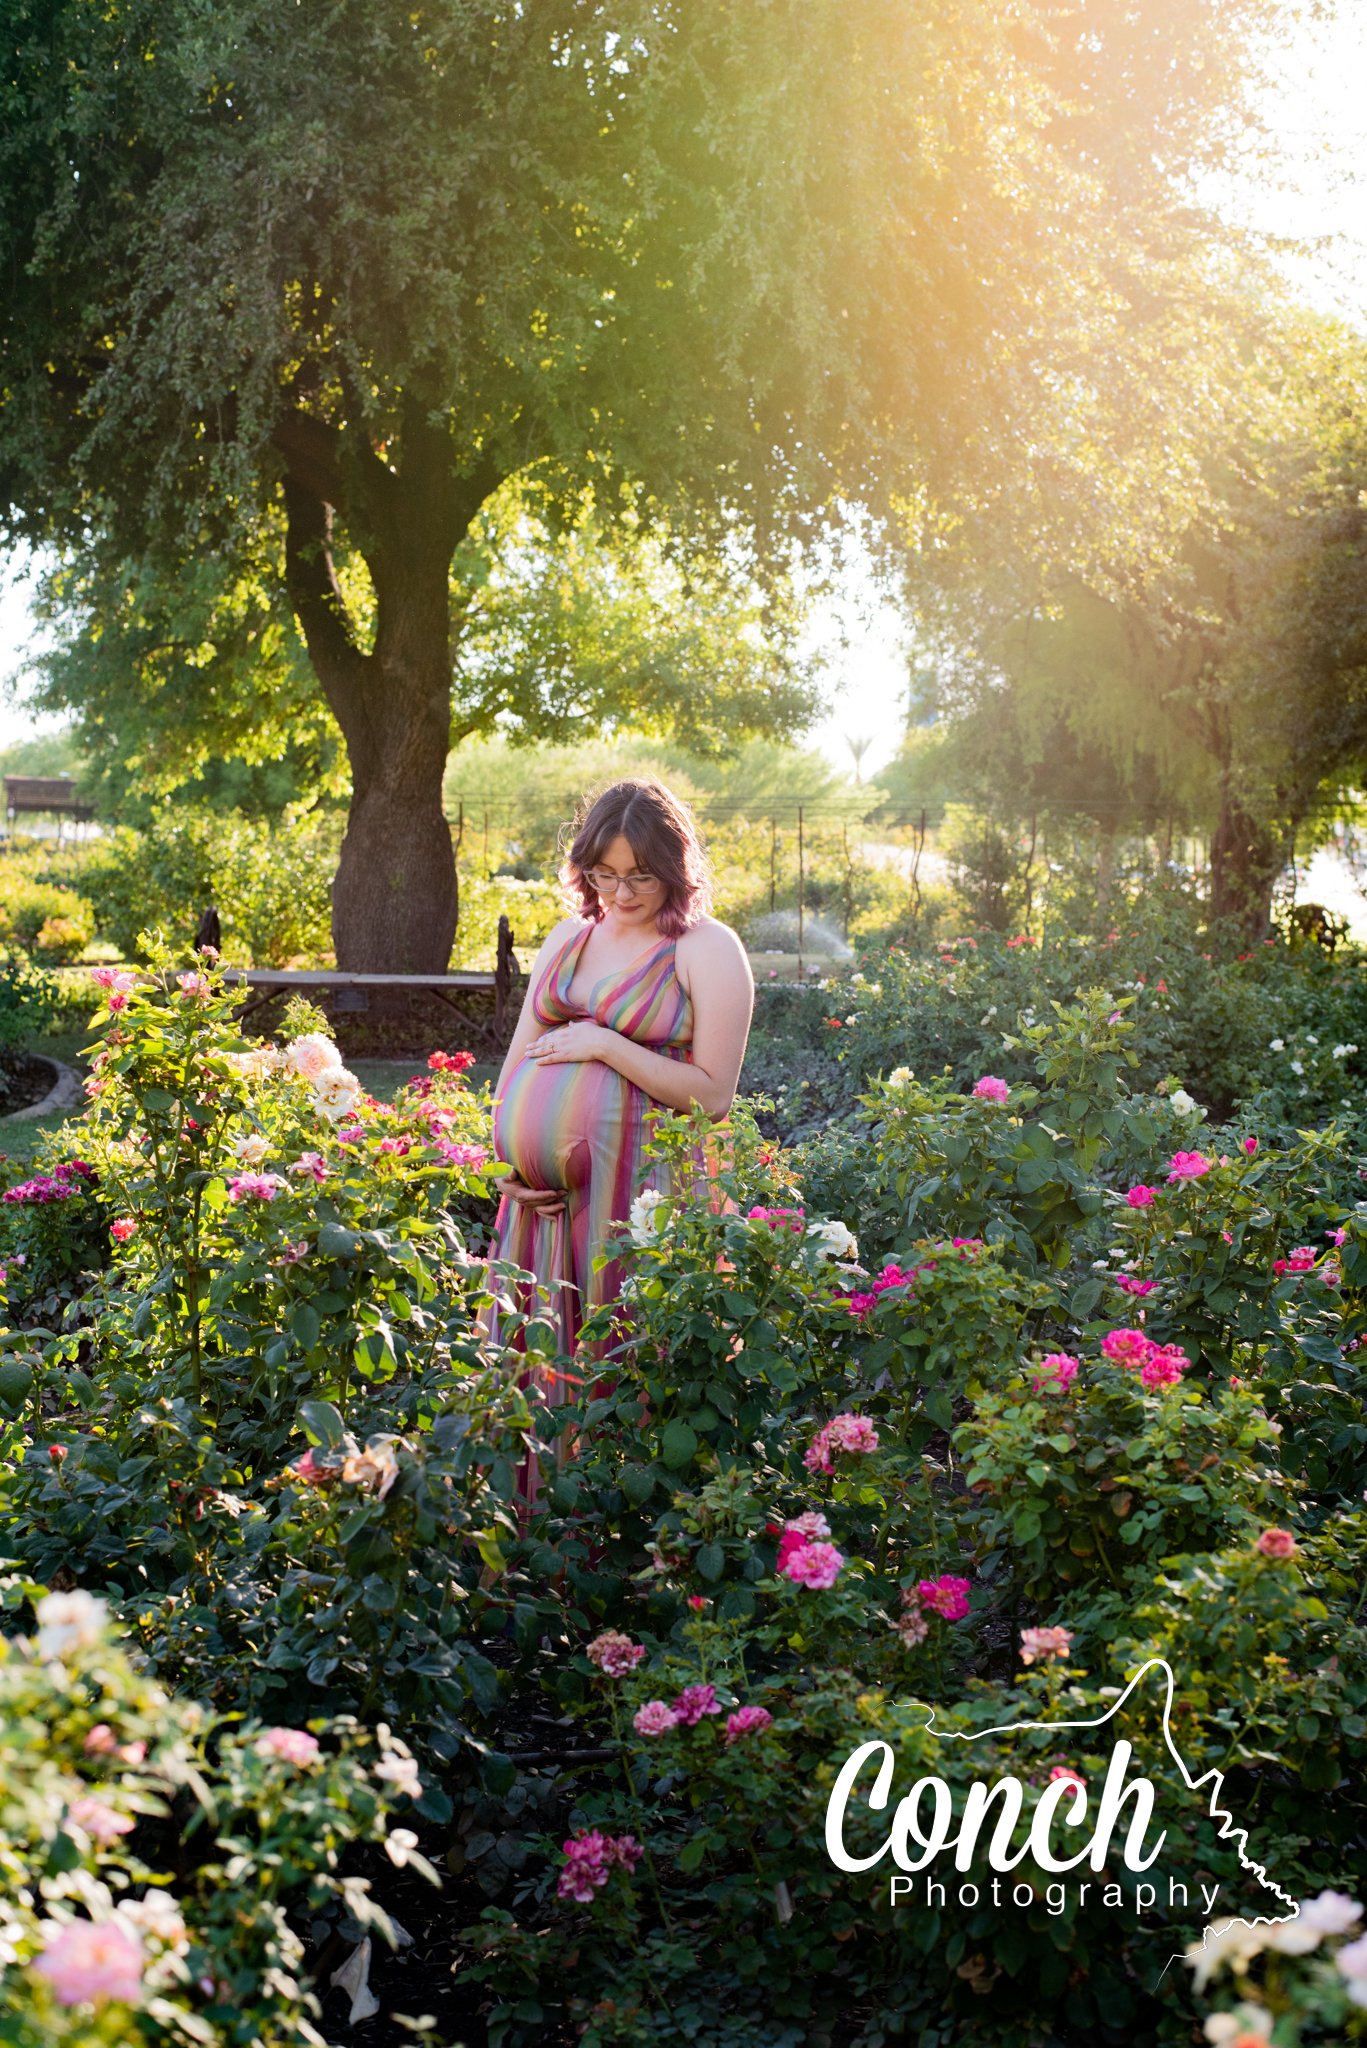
[(1228, 690), (324, 280)]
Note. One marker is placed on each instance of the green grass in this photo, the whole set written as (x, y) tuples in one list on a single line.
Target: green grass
[(19, 1140), (384, 1078)]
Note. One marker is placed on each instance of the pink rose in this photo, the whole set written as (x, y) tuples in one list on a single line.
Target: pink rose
[(816, 1565), (1056, 1374), (291, 1745), (1140, 1196), (1126, 1347), (946, 1596), (1163, 1367), (747, 1721), (1277, 1543), (101, 1822), (778, 1219), (590, 1859), (1189, 1166), (1037, 1643), (654, 1718), (991, 1088), (614, 1654), (472, 1156), (122, 1228), (89, 1961), (255, 1187), (853, 1434), (694, 1702)]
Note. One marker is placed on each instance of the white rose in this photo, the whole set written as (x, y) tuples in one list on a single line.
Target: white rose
[(900, 1077), (374, 1469), (834, 1240), (1234, 1942), (251, 1151), (1331, 1912), (1183, 1103), (1278, 1045), (69, 1621), (402, 1773), (336, 1093), (156, 1914), (1227, 2026), (645, 1218), (1296, 1067), (1352, 1962), (312, 1056)]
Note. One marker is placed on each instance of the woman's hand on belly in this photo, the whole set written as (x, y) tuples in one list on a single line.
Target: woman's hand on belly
[(581, 1039), (545, 1201)]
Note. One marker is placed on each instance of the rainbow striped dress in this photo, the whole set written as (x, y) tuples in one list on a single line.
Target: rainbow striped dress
[(581, 1127)]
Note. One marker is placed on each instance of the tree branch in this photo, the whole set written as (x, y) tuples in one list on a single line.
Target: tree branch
[(312, 451), (319, 605)]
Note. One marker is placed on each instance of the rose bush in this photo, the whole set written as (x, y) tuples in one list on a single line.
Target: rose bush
[(149, 1852), (1014, 1391)]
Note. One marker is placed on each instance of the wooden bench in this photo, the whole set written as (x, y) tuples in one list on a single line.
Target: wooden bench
[(269, 983)]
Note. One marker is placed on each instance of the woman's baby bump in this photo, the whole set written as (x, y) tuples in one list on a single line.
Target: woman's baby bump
[(551, 1118)]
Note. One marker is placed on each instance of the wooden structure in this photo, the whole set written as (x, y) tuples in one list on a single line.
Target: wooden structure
[(45, 795), (270, 984)]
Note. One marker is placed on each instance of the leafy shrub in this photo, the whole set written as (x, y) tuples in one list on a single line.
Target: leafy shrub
[(104, 1774), (65, 937), (269, 883), (29, 907), (533, 909), (293, 1410)]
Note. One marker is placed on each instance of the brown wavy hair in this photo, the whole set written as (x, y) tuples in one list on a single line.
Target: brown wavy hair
[(658, 826)]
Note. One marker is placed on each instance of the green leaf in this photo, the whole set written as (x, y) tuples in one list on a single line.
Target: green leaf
[(337, 1242), (939, 1407), (16, 1384), (637, 1483), (306, 1325), (710, 1560), (322, 1422), (677, 1444)]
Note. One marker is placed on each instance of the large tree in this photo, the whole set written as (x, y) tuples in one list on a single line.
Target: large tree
[(1229, 691), (194, 681), (355, 265)]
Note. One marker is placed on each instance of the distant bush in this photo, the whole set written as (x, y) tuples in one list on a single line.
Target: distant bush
[(269, 883), (29, 907), (532, 908)]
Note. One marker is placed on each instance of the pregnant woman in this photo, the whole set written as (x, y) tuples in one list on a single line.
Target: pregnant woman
[(642, 1001)]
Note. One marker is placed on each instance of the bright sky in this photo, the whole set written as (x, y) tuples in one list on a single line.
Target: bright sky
[(1320, 113)]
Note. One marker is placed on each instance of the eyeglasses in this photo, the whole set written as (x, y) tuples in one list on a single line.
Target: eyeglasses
[(607, 883)]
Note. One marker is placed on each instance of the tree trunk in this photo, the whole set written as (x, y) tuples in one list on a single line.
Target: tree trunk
[(394, 901), (1246, 857), (394, 897), (394, 893)]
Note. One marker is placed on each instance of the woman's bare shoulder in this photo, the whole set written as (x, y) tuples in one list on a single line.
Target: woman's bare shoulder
[(713, 945)]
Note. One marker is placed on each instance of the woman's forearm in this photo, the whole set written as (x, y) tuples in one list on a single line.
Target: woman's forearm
[(676, 1083)]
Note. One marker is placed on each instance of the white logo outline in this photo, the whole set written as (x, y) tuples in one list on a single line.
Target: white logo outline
[(1228, 1830)]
